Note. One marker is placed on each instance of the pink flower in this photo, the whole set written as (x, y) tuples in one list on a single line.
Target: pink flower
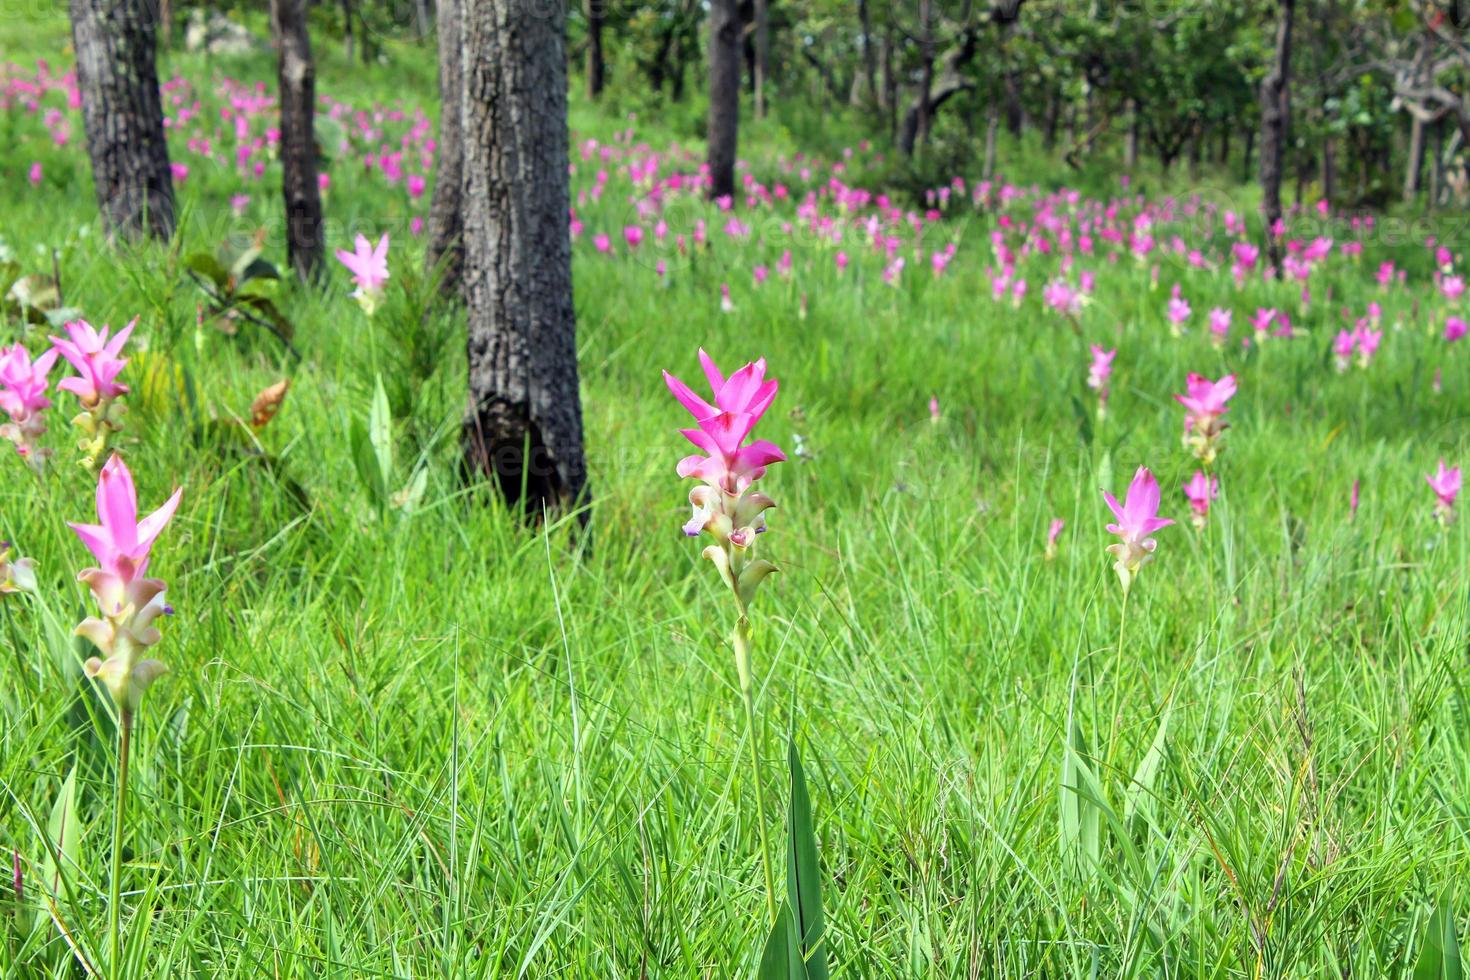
[(1220, 323), (96, 358), (23, 397), (934, 408), (238, 204), (1454, 328), (633, 235), (323, 181), (368, 263), (1452, 287), (602, 243), (1052, 534), (1178, 313), (36, 175), (180, 172), (1060, 296), (415, 186), (128, 602), (1353, 500), (727, 305), (1342, 349), (1205, 401), (1137, 519), (723, 426), (1199, 491), (841, 260), (1368, 341), (1446, 486), (1101, 368)]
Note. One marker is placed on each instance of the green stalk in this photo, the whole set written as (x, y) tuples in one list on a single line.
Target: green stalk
[(747, 692), (114, 898)]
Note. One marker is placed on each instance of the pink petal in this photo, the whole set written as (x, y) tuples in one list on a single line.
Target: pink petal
[(711, 371), (697, 406), (150, 526)]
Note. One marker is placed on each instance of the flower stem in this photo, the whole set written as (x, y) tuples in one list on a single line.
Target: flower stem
[(114, 898), (747, 692), (1117, 662)]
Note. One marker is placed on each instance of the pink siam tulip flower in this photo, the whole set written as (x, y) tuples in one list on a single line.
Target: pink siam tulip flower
[(723, 426), (1199, 491), (1060, 296), (1353, 501), (36, 175), (368, 264), (128, 602), (1137, 519), (1342, 350), (1446, 486), (23, 397), (1219, 325), (416, 186), (1098, 373), (18, 575), (1178, 313), (726, 304), (1454, 328), (934, 408), (1205, 401), (238, 204), (1368, 341), (96, 357), (1052, 534), (633, 235), (1453, 287)]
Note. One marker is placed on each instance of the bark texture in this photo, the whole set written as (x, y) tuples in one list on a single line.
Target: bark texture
[(596, 65), (305, 246), (118, 79), (762, 72), (523, 427), (724, 94), (446, 220), (1275, 116)]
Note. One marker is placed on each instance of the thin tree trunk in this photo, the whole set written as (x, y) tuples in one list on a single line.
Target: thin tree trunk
[(1249, 156), (348, 39), (524, 424), (924, 117), (118, 82), (1130, 144), (1275, 116), (992, 129), (446, 218), (889, 99), (1436, 164), (596, 68), (1052, 121), (422, 19), (724, 95), (761, 75), (1414, 169), (166, 23), (1329, 168), (870, 61), (304, 242)]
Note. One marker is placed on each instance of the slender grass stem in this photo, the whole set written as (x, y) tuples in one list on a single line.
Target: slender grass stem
[(747, 693), (114, 884)]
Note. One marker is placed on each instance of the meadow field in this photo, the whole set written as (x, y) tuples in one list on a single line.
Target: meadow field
[(405, 733)]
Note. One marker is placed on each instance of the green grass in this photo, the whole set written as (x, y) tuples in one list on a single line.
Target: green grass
[(439, 744)]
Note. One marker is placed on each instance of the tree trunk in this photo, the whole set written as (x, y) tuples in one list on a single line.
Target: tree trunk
[(348, 40), (870, 61), (304, 243), (524, 423), (1052, 120), (889, 99), (992, 128), (1414, 170), (1329, 168), (762, 72), (1275, 115), (118, 82), (423, 22), (724, 94), (1248, 156), (923, 119), (1130, 144), (446, 219), (1436, 164), (596, 68), (166, 22)]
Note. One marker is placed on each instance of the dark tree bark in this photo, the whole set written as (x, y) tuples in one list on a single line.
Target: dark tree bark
[(724, 94), (951, 81), (166, 22), (761, 75), (1130, 144), (423, 22), (870, 59), (347, 36), (1414, 169), (1436, 164), (304, 242), (445, 253), (1329, 168), (992, 128), (523, 427), (1275, 117), (889, 98), (118, 80), (596, 67), (923, 117)]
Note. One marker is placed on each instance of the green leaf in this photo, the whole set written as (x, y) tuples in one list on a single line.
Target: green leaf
[(1439, 950), (1139, 799), (256, 269), (1080, 795), (380, 431), (781, 959), (366, 464), (63, 850), (803, 874), (209, 267), (243, 262)]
